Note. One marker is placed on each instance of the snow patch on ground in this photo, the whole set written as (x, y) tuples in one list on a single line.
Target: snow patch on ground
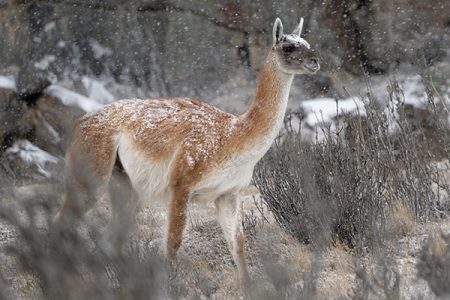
[(99, 50), (324, 110), (45, 62), (55, 135), (414, 94), (50, 26), (8, 82), (96, 90), (32, 154), (71, 98), (414, 91)]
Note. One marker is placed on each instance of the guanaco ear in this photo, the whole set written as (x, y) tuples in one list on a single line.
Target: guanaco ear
[(277, 31), (298, 30)]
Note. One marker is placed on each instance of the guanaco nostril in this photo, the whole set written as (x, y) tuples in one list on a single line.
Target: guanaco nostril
[(313, 64)]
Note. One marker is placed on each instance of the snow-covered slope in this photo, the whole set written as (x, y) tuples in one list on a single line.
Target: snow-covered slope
[(32, 155), (71, 98), (7, 82)]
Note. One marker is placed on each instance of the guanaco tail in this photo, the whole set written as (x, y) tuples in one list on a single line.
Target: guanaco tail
[(178, 149)]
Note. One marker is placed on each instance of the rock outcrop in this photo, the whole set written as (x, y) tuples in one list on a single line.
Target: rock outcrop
[(191, 47)]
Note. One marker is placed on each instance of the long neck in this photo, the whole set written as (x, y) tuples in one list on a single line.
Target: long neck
[(266, 111)]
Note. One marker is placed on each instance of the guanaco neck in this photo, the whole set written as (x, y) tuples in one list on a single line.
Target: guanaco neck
[(264, 116)]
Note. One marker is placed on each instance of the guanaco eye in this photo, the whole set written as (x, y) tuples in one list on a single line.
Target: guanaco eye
[(288, 49)]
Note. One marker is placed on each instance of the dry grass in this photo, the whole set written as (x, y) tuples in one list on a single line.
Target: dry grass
[(400, 221), (339, 273)]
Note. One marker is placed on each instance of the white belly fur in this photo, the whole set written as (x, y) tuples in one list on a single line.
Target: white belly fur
[(150, 179), (228, 179)]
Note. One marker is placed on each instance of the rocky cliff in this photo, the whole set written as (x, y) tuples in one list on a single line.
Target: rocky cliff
[(192, 48)]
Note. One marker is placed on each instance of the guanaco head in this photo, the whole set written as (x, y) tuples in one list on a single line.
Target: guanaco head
[(292, 53)]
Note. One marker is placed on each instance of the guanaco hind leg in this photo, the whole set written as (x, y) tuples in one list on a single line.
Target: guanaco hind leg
[(176, 222), (88, 171), (124, 206)]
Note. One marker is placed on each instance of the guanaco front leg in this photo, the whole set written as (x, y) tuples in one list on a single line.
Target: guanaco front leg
[(229, 214)]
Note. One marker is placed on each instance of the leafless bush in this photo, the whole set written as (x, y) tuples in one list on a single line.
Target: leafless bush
[(72, 264), (345, 185), (255, 217)]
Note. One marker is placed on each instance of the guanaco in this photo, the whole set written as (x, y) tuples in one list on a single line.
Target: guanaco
[(179, 149)]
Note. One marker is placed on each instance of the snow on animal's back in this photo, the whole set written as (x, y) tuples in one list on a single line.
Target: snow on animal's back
[(153, 135), (157, 126)]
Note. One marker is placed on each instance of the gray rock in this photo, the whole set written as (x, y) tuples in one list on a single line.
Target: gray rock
[(47, 124), (12, 122), (31, 85)]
